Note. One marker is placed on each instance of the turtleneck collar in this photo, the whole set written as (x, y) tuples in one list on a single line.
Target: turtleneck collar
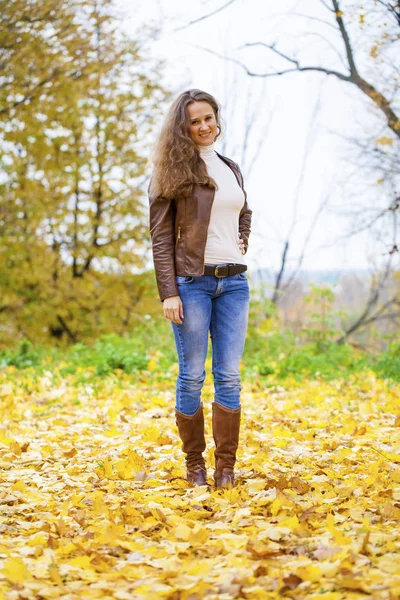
[(207, 151)]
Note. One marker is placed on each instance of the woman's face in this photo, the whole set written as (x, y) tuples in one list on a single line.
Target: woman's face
[(202, 123)]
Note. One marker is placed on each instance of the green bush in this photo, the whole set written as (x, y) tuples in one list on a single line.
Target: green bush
[(110, 352), (152, 339), (387, 364), (129, 354), (270, 350), (335, 360), (262, 352), (25, 355)]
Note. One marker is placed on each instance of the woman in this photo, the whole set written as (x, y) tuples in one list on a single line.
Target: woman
[(200, 226)]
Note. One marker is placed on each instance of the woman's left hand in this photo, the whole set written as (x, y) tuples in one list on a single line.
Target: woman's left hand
[(241, 244)]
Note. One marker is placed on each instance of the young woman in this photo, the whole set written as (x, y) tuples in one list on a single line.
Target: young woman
[(200, 226)]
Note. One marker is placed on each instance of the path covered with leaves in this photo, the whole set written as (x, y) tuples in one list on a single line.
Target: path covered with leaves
[(94, 503)]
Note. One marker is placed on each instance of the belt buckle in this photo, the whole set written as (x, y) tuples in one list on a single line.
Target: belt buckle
[(220, 267)]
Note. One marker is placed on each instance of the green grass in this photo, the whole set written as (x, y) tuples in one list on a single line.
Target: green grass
[(276, 353)]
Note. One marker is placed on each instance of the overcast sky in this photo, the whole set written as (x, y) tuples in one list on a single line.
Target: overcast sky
[(299, 157)]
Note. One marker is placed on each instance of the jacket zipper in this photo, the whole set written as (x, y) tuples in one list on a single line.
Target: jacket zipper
[(204, 254)]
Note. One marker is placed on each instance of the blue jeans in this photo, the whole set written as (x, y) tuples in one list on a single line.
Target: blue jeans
[(219, 305)]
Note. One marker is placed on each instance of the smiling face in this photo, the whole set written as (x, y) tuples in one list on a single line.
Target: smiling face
[(202, 123)]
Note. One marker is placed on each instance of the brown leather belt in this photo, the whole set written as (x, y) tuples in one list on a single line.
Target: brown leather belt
[(224, 270)]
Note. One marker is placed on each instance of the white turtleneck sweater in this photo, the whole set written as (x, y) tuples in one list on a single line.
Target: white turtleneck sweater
[(222, 241)]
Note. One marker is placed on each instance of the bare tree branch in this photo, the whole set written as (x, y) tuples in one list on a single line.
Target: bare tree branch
[(354, 77), (394, 10), (332, 47), (346, 39), (365, 318), (310, 18), (275, 296), (307, 239), (294, 62), (307, 148), (261, 138), (67, 330), (274, 73), (368, 316), (211, 14), (326, 6)]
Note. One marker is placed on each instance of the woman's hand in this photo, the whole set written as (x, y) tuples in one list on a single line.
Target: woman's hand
[(242, 247), (173, 309)]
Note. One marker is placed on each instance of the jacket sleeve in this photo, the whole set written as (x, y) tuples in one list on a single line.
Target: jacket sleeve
[(244, 216), (162, 219)]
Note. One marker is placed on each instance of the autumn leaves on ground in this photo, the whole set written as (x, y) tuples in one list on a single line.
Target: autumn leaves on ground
[(94, 503)]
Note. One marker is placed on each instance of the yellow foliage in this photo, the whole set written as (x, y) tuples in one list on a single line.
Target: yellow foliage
[(15, 570), (336, 533), (82, 562), (374, 51), (183, 532), (309, 573), (110, 532), (40, 539), (385, 141), (116, 517), (55, 575), (74, 252)]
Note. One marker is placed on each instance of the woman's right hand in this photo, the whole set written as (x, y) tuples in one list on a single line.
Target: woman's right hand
[(173, 309)]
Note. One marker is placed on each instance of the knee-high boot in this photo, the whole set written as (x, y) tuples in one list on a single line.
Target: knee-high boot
[(191, 432), (226, 427)]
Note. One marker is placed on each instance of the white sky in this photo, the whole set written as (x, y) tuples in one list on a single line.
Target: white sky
[(294, 112)]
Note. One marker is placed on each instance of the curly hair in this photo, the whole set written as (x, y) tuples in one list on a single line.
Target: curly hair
[(176, 158)]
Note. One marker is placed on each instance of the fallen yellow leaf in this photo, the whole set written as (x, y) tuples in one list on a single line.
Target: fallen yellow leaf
[(15, 571)]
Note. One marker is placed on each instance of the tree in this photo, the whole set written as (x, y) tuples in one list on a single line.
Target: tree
[(43, 46), (351, 73), (360, 43), (75, 227)]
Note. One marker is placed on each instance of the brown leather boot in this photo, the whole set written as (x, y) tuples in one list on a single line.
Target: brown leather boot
[(226, 427), (191, 432)]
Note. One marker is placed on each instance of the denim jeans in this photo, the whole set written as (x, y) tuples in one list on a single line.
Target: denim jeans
[(219, 305)]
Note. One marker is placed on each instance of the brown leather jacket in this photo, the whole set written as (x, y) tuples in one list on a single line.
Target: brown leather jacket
[(179, 233)]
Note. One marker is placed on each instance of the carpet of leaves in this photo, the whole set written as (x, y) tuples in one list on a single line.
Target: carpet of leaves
[(94, 503)]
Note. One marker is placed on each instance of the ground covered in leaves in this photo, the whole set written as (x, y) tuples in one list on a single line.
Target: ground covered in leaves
[(94, 503)]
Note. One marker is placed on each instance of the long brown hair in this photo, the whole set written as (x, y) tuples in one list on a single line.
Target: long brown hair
[(177, 162)]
